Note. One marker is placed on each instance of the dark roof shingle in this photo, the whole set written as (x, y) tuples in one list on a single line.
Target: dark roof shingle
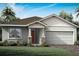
[(27, 20)]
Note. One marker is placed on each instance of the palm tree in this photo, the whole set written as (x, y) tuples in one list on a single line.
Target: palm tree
[(8, 15), (77, 10), (66, 16), (63, 14)]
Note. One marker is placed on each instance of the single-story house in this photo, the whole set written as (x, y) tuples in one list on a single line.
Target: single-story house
[(52, 29)]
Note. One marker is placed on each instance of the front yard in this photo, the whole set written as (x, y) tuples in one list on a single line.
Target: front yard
[(34, 51)]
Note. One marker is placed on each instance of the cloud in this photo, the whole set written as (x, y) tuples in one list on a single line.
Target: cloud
[(22, 12), (17, 9), (44, 7), (38, 11)]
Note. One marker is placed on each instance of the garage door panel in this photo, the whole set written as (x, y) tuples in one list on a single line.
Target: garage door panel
[(59, 37), (60, 42)]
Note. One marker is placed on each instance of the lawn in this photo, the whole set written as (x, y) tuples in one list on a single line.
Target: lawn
[(34, 51)]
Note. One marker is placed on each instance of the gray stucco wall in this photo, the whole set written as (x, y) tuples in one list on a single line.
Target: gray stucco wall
[(56, 24), (5, 34)]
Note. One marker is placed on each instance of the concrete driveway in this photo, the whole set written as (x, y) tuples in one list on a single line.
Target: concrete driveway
[(72, 48)]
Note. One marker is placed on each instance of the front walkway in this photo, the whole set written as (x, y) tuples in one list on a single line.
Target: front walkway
[(72, 48)]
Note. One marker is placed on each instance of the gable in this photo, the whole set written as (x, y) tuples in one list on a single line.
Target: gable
[(54, 21), (36, 25)]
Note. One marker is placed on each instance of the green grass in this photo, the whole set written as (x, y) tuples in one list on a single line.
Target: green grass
[(33, 51)]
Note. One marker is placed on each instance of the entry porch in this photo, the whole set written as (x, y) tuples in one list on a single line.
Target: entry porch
[(36, 33)]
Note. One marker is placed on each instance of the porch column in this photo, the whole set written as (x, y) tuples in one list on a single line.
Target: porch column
[(29, 36), (43, 37)]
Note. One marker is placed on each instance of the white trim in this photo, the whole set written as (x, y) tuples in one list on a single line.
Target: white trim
[(12, 25), (29, 32), (58, 26), (37, 22), (59, 31), (36, 27), (23, 25), (14, 37)]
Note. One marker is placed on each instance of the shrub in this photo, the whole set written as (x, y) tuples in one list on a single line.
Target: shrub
[(77, 43), (5, 43), (1, 43), (0, 39), (46, 45), (29, 44), (24, 44), (18, 43), (12, 43)]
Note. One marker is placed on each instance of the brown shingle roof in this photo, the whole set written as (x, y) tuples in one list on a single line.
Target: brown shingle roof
[(27, 20)]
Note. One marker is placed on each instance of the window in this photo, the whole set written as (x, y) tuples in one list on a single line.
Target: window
[(15, 33)]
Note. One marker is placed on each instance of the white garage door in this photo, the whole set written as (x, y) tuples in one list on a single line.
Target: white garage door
[(59, 37)]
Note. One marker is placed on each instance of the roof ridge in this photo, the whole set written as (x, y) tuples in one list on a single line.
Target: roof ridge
[(32, 17)]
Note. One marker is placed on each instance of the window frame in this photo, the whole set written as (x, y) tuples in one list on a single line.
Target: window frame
[(20, 32)]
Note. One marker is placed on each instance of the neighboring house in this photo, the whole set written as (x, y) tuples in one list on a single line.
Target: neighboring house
[(53, 29)]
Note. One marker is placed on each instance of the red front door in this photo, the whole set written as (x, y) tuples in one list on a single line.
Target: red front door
[(33, 37)]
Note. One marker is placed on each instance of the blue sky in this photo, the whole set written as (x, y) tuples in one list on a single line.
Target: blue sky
[(24, 10)]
